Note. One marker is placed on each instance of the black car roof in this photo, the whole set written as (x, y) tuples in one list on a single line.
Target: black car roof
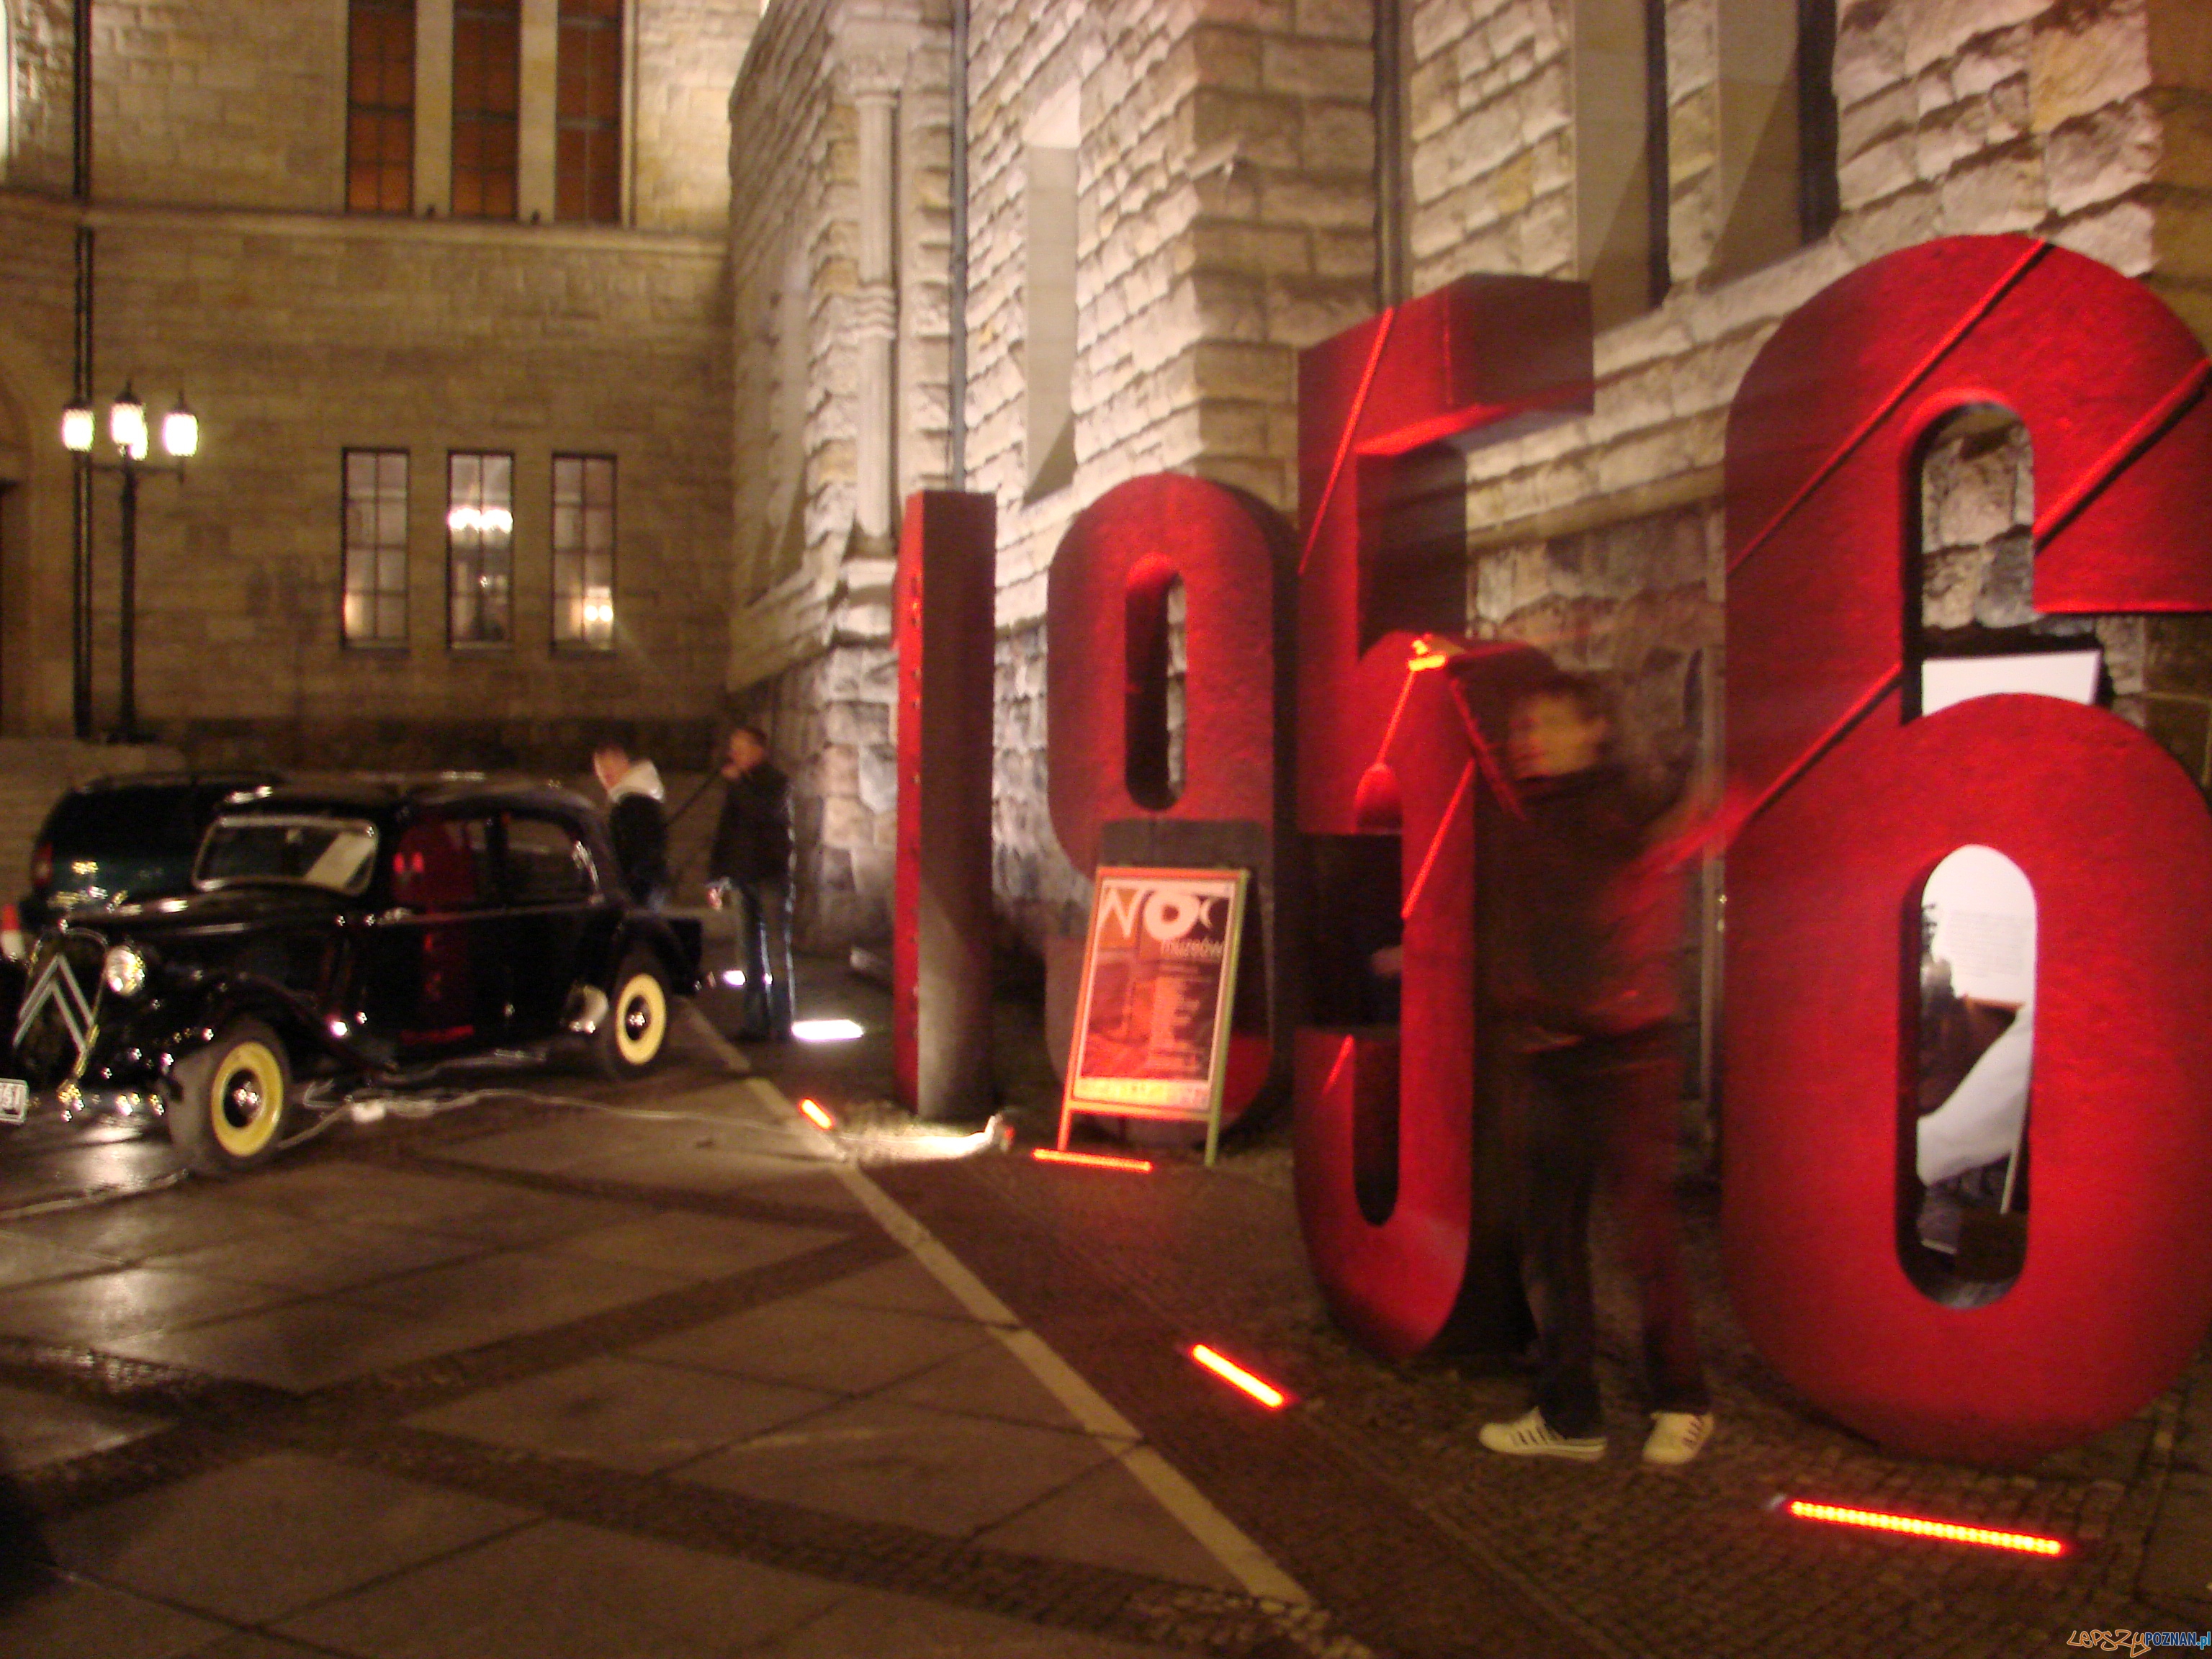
[(386, 794), (235, 778)]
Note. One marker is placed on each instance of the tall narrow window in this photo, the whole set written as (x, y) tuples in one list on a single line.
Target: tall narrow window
[(479, 549), (487, 105), (1778, 133), (587, 147), (375, 547), (584, 551), (1621, 163), (1049, 343), (380, 106)]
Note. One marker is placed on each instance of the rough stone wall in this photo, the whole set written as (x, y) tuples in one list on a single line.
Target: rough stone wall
[(429, 338), (41, 95), (1978, 503), (685, 60), (236, 104)]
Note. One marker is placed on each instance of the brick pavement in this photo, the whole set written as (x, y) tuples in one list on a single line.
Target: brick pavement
[(1373, 1492)]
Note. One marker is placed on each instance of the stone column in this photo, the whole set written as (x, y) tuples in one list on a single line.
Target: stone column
[(434, 105), (874, 71), (541, 47)]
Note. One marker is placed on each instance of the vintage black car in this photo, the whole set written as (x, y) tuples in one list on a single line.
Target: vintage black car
[(369, 929), (130, 836)]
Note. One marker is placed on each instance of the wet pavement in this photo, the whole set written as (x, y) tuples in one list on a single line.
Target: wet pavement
[(536, 1364)]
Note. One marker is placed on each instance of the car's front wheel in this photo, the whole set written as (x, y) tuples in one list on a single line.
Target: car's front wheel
[(636, 1029), (231, 1100)]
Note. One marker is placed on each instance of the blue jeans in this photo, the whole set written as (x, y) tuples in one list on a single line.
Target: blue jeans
[(763, 909)]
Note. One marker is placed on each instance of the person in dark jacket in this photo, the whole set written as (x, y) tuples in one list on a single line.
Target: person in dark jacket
[(750, 870), (634, 823), (1580, 934)]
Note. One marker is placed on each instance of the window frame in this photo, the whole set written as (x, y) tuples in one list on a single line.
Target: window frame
[(396, 644), (455, 640), (577, 23), (380, 113), (584, 644), (480, 118)]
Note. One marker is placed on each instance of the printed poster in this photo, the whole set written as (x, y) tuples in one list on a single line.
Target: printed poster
[(1159, 973)]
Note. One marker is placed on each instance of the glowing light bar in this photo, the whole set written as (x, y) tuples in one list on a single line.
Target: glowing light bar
[(2026, 1543), (827, 1030), (816, 1116), (1092, 1160), (1237, 1377)]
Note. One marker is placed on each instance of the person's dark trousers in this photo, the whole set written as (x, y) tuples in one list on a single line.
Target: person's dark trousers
[(763, 918), (1609, 1108)]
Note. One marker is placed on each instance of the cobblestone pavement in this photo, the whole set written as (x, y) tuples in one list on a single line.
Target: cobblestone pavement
[(1373, 1492), (578, 1369)]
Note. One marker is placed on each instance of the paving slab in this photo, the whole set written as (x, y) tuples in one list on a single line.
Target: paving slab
[(82, 1620), (95, 1310), (1105, 1518), (816, 1344), (518, 1289), (305, 1345), (28, 1260), (558, 1590), (879, 1460), (902, 1285), (36, 1429), (884, 1626), (626, 1415), (158, 1224), (254, 1540), (315, 1256), (987, 1381), (695, 1246)]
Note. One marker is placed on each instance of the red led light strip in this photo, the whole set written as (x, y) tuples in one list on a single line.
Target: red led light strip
[(1236, 1377), (817, 1116), (2026, 1543), (1092, 1160)]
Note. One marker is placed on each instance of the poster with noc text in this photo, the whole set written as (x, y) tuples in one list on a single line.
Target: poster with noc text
[(1152, 1021)]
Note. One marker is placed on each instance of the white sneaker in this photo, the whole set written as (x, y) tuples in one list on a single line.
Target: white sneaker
[(1530, 1436), (1677, 1436)]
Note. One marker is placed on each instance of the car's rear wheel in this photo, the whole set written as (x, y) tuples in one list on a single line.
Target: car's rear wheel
[(631, 1036), (231, 1100)]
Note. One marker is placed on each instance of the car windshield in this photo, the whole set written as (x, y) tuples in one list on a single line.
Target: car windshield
[(336, 854)]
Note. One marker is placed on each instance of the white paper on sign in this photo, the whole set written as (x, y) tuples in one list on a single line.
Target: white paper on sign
[(2071, 675)]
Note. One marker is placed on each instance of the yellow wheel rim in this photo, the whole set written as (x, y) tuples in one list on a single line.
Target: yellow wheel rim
[(640, 1016), (246, 1099)]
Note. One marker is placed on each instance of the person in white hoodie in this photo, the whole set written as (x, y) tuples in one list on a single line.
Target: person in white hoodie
[(635, 820)]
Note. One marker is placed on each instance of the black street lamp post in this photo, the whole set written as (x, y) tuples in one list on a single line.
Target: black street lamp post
[(126, 430)]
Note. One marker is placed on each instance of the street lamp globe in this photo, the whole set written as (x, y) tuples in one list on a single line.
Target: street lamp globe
[(77, 426), (126, 424), (180, 431)]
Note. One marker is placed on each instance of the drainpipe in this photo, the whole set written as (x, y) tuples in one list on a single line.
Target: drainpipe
[(81, 607), (956, 391), (1389, 155)]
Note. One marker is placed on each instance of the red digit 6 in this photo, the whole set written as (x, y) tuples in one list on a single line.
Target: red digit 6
[(1852, 807)]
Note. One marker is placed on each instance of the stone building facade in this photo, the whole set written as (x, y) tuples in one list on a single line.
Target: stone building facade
[(223, 208), (1250, 177)]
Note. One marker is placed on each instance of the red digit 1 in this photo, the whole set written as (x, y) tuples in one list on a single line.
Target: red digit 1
[(1855, 806), (941, 897), (1104, 611), (1460, 365)]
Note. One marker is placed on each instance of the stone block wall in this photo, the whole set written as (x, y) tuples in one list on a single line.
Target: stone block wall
[(685, 59), (42, 55), (352, 333)]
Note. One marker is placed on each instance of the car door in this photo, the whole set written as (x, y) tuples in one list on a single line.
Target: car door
[(437, 977), (555, 912)]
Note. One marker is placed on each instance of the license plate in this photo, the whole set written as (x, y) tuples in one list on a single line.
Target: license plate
[(14, 1099)]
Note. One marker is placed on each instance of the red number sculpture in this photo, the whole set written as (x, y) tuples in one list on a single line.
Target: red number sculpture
[(943, 601), (1851, 806), (1478, 360), (1105, 616)]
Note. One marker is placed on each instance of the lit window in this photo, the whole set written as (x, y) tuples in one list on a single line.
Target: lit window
[(380, 106), (584, 551), (375, 547), (486, 102), (480, 549), (587, 143)]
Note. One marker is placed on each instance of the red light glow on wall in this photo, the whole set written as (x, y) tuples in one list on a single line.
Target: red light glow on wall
[(1237, 1377), (816, 1116), (2026, 1543), (1092, 1160)]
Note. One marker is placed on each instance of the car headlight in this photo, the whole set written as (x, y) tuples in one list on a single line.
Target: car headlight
[(123, 971)]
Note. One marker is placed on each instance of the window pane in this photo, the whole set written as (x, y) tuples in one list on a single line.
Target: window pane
[(381, 99), (479, 541), (583, 551), (374, 558)]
